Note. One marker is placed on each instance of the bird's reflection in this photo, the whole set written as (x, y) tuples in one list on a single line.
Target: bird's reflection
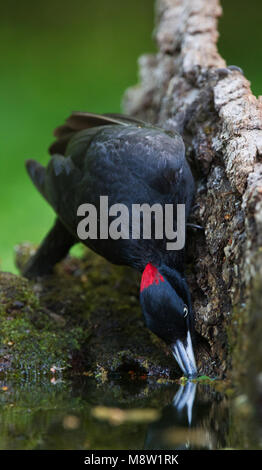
[(188, 422), (184, 399)]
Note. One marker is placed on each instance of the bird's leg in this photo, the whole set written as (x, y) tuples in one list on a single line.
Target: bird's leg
[(53, 249)]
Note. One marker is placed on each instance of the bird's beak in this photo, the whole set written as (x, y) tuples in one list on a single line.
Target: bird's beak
[(184, 355)]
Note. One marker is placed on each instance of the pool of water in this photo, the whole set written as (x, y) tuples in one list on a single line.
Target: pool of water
[(125, 414)]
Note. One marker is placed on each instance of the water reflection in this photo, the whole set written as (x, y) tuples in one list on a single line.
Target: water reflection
[(184, 399), (44, 415), (188, 421)]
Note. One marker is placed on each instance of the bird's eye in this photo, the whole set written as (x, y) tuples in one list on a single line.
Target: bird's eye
[(185, 311)]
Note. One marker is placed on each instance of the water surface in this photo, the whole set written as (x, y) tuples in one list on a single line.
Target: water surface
[(125, 414)]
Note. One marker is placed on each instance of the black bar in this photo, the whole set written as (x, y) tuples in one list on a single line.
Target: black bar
[(120, 458)]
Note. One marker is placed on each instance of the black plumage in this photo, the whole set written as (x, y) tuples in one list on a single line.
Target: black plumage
[(131, 162)]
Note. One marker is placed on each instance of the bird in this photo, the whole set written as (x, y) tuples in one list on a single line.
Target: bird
[(130, 162)]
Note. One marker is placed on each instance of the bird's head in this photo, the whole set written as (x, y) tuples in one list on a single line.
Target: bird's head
[(167, 309)]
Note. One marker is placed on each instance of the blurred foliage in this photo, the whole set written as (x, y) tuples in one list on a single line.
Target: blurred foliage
[(61, 56), (57, 57), (240, 38)]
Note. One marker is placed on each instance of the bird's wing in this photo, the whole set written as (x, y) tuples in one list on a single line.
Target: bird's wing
[(125, 119), (60, 169), (79, 121)]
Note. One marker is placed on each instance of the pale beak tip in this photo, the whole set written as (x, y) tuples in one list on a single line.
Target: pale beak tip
[(184, 355)]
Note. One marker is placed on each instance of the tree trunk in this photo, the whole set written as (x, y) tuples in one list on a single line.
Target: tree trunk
[(187, 86)]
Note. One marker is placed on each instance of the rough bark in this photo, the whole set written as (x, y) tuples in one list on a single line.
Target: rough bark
[(187, 86)]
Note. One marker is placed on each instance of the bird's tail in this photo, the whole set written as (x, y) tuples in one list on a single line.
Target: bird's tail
[(37, 174)]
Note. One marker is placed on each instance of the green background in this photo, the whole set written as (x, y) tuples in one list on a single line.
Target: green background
[(58, 56)]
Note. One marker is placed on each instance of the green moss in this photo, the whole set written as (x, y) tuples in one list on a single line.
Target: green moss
[(16, 294), (34, 350), (30, 341), (86, 318)]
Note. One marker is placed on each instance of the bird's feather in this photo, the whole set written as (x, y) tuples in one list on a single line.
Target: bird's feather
[(79, 121), (37, 175)]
